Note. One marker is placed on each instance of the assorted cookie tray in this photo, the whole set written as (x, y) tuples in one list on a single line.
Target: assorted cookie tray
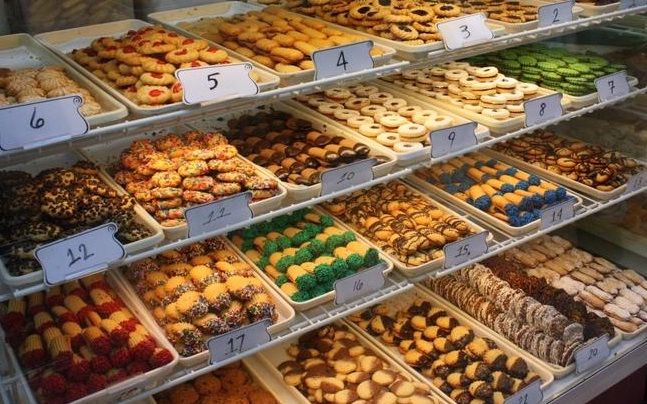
[(513, 27), (433, 340), (271, 159), (39, 168), (65, 42), (523, 218), (109, 155), (183, 20), (590, 9), (198, 280), (21, 51)]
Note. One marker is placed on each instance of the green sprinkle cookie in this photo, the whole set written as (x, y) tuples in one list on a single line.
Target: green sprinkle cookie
[(527, 60), (566, 72)]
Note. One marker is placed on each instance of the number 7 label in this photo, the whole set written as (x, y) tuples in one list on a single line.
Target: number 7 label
[(612, 86)]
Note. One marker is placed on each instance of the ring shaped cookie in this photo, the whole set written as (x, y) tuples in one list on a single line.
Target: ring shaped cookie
[(438, 122), (407, 147), (345, 114), (357, 103), (421, 117), (394, 104), (393, 121), (371, 129), (388, 139), (371, 110), (357, 121), (380, 98), (411, 130), (329, 108), (498, 113)]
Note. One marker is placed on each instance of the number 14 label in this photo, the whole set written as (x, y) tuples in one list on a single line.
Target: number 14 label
[(344, 59)]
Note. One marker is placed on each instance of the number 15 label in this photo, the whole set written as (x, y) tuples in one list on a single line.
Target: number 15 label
[(344, 59), (465, 249), (225, 346)]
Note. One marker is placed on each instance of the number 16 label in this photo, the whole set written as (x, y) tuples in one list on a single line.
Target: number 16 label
[(209, 83), (612, 86), (344, 59), (225, 346), (359, 284)]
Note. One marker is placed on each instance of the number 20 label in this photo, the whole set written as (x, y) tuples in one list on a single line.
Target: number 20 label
[(344, 59)]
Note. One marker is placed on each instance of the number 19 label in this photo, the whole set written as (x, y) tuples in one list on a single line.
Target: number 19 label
[(235, 342), (344, 59), (465, 31), (612, 86)]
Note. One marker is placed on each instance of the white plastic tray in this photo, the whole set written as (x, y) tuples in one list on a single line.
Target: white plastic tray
[(414, 271), (558, 371), (230, 8), (107, 153), (403, 301), (530, 25), (65, 41), (589, 9), (430, 188), (495, 125), (66, 159), (577, 102), (403, 159), (284, 310), (303, 192), (273, 357), (328, 296), (21, 51), (132, 386)]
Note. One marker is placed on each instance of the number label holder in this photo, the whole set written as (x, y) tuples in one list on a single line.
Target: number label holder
[(344, 59), (452, 139), (625, 4), (557, 213), (218, 214), (235, 342), (463, 250), (543, 109), (612, 86), (342, 177), (592, 354), (79, 255), (465, 31), (531, 394), (555, 13), (41, 122), (218, 82), (636, 181), (359, 284)]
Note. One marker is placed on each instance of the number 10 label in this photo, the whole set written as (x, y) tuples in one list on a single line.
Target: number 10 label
[(340, 60)]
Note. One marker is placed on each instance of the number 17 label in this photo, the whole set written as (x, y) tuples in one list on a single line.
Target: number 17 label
[(344, 59), (233, 343)]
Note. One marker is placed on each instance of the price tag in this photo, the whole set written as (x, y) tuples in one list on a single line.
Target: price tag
[(465, 249), (359, 284), (555, 13), (592, 354), (636, 181), (343, 59), (531, 394), (235, 342), (452, 139), (79, 255), (348, 175), (557, 213), (465, 31), (218, 214), (543, 109), (209, 83), (612, 86), (625, 4), (39, 122)]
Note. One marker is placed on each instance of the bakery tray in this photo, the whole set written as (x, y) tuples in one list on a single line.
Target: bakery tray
[(557, 371), (403, 159), (20, 51), (303, 192), (134, 385), (429, 188), (285, 313), (226, 9), (328, 296), (495, 125), (576, 102), (273, 357), (66, 159), (65, 41), (530, 25), (430, 266), (418, 293), (589, 10), (107, 153)]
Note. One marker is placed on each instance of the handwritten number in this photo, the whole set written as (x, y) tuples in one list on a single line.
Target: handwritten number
[(213, 216), (466, 32), (240, 339), (593, 353), (464, 250), (212, 79), (542, 109), (39, 123), (557, 216), (612, 86), (358, 285), (83, 250), (341, 60), (347, 176), (451, 137), (555, 15)]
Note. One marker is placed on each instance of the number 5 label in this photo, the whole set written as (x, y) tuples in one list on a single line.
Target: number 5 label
[(344, 59), (465, 31), (555, 13), (79, 255), (225, 346), (612, 86), (348, 175), (209, 83), (359, 284)]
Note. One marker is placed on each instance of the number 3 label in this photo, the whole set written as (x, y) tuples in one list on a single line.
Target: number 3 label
[(344, 59), (465, 31)]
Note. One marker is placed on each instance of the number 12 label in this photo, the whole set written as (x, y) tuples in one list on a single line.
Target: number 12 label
[(465, 249), (612, 86), (359, 284), (343, 177), (225, 346), (465, 31), (209, 83), (79, 255), (555, 13), (344, 59)]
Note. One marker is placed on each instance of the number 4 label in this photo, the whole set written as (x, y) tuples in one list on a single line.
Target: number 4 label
[(344, 59), (359, 284), (228, 345), (612, 86)]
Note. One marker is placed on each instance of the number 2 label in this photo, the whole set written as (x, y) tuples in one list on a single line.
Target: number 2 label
[(555, 13)]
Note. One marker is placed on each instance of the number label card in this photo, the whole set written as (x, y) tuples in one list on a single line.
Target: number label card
[(466, 249), (348, 175), (625, 4), (531, 394), (465, 31), (555, 13), (543, 109), (79, 255), (232, 343), (555, 214), (452, 139), (612, 86), (359, 284), (592, 354), (209, 83), (36, 123), (340, 60), (637, 181), (218, 214)]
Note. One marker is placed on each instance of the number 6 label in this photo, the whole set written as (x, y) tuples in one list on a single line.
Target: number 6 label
[(344, 59), (225, 346), (612, 86), (465, 31), (209, 83)]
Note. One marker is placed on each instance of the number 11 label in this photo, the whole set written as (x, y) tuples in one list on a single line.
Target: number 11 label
[(344, 59), (359, 284), (209, 83), (465, 249), (612, 86), (225, 346), (218, 214)]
